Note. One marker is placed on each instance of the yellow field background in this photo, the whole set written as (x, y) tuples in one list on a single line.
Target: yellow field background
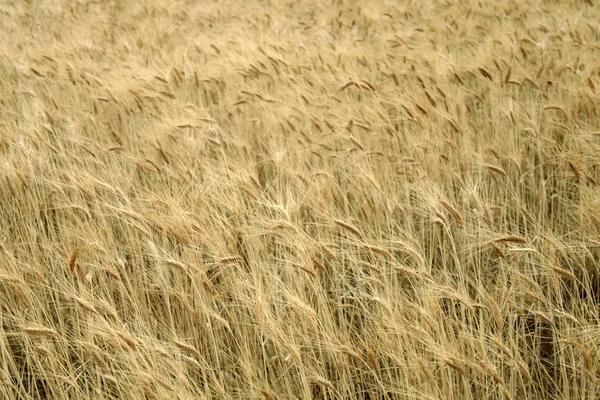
[(299, 199)]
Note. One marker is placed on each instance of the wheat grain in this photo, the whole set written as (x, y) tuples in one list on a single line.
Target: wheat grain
[(187, 348), (41, 331), (453, 211), (510, 239), (349, 227)]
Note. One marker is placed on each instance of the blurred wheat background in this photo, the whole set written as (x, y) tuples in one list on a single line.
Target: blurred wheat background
[(342, 199)]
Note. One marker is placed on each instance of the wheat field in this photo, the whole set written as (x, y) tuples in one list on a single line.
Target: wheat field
[(343, 199)]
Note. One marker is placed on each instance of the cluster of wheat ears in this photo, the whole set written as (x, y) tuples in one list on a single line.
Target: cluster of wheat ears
[(344, 199)]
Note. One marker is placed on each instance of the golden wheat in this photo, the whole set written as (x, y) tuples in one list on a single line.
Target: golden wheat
[(351, 200)]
